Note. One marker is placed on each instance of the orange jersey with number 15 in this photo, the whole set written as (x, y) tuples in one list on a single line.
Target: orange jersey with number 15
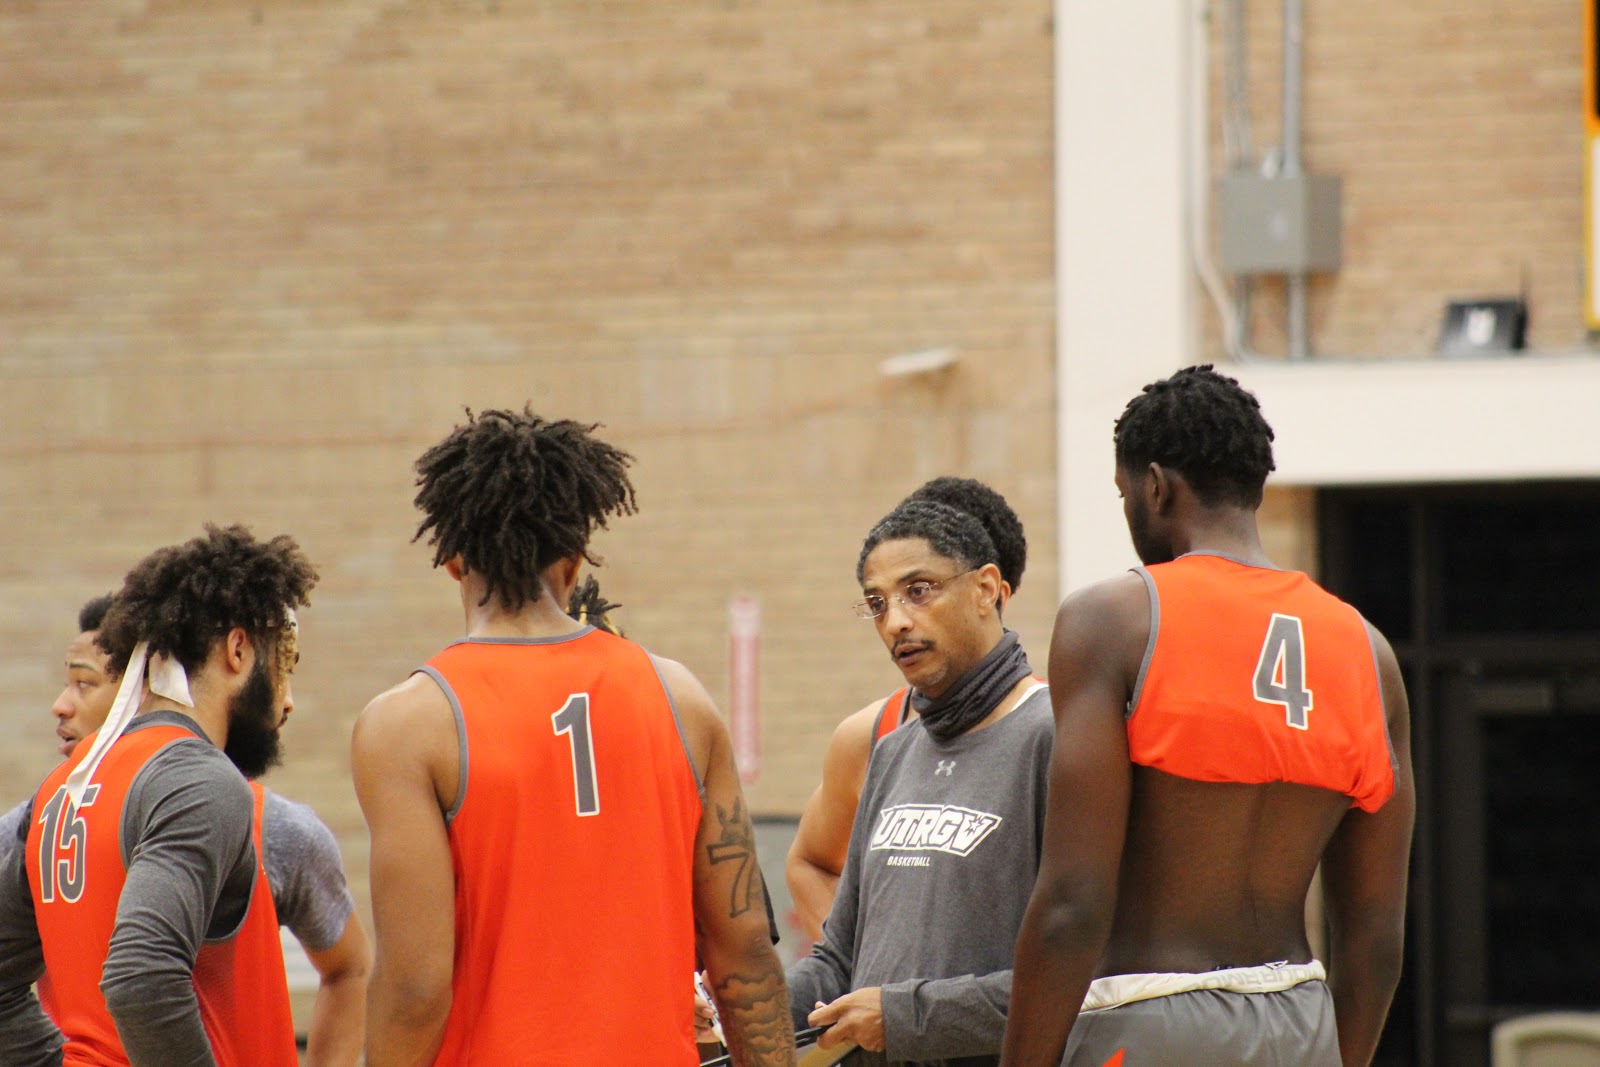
[(573, 840), (75, 867), (1259, 675)]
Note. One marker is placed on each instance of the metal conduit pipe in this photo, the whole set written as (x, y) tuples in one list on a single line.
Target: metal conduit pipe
[(1293, 108), (1240, 151)]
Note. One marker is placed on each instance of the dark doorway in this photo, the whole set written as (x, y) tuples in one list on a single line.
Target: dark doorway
[(1490, 595)]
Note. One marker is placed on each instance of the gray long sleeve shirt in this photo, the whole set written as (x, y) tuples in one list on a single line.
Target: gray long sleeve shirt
[(304, 868), (942, 859), (190, 869)]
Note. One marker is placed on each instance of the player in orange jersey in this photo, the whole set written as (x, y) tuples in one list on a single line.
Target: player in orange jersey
[(817, 854), (298, 852), (85, 700), (1222, 728), (589, 605), (556, 819), (139, 898)]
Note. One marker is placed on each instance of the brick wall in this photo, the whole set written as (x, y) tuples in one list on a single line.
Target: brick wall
[(254, 258), (1458, 130)]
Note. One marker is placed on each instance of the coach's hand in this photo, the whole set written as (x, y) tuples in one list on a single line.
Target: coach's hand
[(856, 1017)]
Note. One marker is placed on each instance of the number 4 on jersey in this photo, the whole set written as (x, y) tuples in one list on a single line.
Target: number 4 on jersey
[(1281, 671)]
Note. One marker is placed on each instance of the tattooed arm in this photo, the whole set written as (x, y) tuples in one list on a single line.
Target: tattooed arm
[(730, 916)]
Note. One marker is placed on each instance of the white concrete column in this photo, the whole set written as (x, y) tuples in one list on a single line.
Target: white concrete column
[(1123, 314)]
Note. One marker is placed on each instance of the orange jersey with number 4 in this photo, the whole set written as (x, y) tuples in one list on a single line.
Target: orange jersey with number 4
[(1258, 675), (573, 844)]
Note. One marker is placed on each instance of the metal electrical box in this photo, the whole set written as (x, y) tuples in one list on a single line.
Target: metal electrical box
[(1285, 225)]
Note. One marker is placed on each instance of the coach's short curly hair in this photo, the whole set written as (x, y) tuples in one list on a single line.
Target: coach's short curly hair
[(990, 508), (512, 493), (953, 534), (184, 598), (1205, 426)]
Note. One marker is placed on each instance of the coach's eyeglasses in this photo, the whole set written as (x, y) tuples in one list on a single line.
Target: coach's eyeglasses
[(917, 594)]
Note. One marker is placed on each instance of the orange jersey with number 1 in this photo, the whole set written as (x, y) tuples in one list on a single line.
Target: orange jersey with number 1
[(76, 873), (1259, 675), (573, 843)]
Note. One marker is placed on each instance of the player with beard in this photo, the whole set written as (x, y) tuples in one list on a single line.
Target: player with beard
[(816, 856), (915, 962), (557, 824), (299, 852), (1222, 727), (140, 889)]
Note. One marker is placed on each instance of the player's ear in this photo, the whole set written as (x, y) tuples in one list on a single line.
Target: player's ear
[(238, 651), (563, 577), (1159, 486), (454, 567)]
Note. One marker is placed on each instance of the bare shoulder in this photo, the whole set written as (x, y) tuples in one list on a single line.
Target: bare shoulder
[(1390, 681), (411, 703), (844, 764), (703, 727), (1107, 613), (1122, 597), (688, 694), (855, 730), (410, 719), (1381, 649), (1100, 637)]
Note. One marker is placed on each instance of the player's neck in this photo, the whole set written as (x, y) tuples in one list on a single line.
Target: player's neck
[(1228, 532), (536, 619), (544, 616), (210, 715)]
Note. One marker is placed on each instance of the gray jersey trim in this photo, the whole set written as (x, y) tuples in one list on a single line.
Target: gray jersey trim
[(1150, 645), (461, 738), (677, 720), (1383, 707), (556, 640), (1230, 559)]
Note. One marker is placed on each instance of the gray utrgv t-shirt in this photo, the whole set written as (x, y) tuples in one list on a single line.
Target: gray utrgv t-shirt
[(942, 860)]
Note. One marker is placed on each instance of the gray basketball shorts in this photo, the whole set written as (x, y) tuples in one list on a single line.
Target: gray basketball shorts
[(1276, 1015)]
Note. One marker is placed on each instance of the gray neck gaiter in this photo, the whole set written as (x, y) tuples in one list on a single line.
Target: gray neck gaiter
[(975, 694)]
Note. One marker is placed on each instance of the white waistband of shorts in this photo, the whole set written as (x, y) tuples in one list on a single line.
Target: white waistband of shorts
[(1118, 989)]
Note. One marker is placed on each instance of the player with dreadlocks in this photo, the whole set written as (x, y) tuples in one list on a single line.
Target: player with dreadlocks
[(556, 819), (588, 605), (140, 901), (816, 857), (1222, 727)]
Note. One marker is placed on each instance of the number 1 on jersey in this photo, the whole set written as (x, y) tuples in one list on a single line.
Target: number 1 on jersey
[(573, 720), (1281, 671)]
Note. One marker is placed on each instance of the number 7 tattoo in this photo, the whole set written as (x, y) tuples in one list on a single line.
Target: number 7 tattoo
[(738, 844)]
